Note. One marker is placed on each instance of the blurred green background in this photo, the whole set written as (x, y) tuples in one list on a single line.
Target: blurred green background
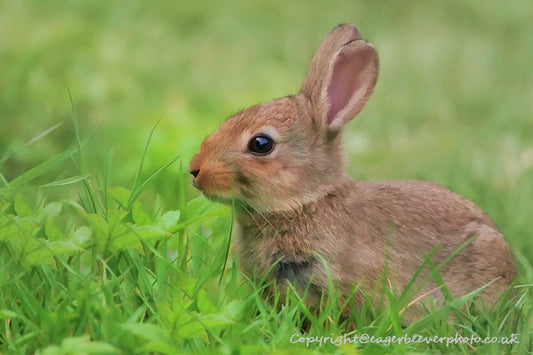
[(453, 102)]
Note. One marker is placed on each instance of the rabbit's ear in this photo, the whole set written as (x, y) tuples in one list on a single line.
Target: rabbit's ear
[(341, 76), (338, 37), (348, 83)]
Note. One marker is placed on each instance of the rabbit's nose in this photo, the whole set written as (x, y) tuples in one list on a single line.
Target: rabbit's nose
[(195, 173)]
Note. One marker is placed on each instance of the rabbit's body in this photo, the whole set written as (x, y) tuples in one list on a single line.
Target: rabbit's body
[(282, 161), (392, 224)]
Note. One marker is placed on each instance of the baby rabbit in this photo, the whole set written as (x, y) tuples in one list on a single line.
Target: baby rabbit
[(297, 210)]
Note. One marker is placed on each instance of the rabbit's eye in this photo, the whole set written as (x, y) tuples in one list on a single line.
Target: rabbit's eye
[(261, 144)]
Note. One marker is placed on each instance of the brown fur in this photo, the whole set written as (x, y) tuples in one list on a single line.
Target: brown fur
[(297, 203)]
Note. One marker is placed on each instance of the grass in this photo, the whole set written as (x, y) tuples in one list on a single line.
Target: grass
[(106, 248)]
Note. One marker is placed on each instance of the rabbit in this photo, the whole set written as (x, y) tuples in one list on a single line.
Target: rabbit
[(301, 219)]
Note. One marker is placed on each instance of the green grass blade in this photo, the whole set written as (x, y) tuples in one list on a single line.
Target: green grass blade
[(58, 183), (67, 181), (135, 193), (143, 156), (230, 234), (181, 234), (74, 117), (8, 153), (89, 197), (107, 171), (435, 270), (181, 189), (3, 181), (43, 134), (40, 169)]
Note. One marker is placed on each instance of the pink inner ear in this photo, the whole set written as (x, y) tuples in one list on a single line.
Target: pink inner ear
[(343, 83)]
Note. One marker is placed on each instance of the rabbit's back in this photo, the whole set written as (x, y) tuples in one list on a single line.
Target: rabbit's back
[(424, 217)]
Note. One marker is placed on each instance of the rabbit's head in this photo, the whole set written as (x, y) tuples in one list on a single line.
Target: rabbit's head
[(287, 152)]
